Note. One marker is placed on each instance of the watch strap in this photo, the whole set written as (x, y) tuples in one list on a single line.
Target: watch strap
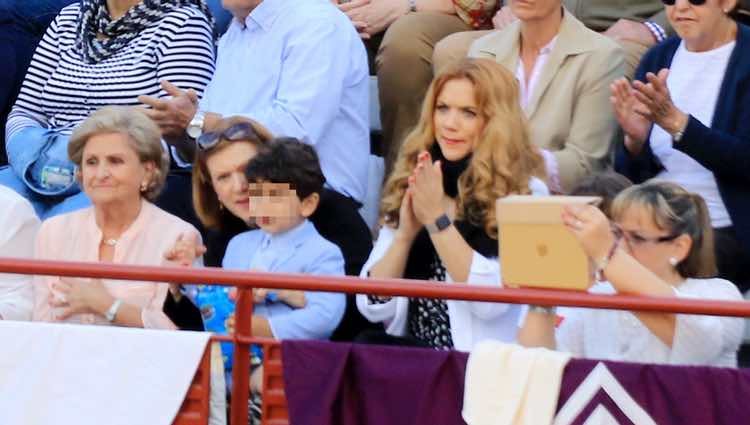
[(195, 127), (113, 309)]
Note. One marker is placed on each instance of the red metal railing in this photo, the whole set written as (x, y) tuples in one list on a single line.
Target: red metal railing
[(245, 281)]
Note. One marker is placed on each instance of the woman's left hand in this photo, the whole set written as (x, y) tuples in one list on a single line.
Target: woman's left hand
[(655, 96), (426, 184), (80, 296), (591, 227), (371, 17)]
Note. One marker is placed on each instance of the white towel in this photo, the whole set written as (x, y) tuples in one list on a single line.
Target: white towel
[(74, 374), (507, 384)]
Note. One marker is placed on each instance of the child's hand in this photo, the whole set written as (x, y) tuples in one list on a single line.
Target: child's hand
[(259, 295), (292, 298)]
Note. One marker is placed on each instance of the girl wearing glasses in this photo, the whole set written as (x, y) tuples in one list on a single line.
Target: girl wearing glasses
[(686, 121), (661, 245)]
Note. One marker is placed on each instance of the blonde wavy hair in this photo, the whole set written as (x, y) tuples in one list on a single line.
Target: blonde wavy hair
[(503, 160)]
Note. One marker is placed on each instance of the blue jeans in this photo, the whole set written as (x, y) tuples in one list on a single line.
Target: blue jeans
[(44, 206)]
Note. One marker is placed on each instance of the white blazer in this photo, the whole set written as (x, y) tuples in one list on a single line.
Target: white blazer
[(19, 225), (471, 322)]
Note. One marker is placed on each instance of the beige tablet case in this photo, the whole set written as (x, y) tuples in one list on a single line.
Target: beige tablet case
[(536, 249)]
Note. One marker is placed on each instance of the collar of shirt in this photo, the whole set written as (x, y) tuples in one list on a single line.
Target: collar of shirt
[(541, 60), (263, 15), (289, 239)]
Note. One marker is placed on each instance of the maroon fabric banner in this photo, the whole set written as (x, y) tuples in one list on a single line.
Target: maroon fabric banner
[(331, 384)]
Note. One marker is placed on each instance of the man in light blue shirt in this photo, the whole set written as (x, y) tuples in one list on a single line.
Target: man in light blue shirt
[(299, 68)]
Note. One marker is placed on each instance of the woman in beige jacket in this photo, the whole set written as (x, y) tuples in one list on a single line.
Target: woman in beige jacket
[(564, 70)]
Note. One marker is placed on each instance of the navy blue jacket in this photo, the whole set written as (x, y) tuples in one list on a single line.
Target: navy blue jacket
[(723, 148)]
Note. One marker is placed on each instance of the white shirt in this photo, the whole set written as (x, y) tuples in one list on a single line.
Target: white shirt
[(471, 322), (299, 68), (694, 83), (526, 92), (620, 336), (19, 225)]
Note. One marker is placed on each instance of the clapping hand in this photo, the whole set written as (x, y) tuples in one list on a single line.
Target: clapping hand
[(185, 250), (172, 115), (426, 186), (659, 108), (630, 114), (79, 296)]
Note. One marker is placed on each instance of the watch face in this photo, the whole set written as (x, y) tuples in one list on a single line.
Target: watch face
[(442, 222), (193, 131)]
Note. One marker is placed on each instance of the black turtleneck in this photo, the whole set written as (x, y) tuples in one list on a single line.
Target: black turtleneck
[(423, 252)]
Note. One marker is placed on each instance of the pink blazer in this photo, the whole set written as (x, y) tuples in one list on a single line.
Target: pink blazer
[(76, 237)]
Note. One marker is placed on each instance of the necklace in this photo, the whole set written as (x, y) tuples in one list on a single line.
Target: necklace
[(109, 242)]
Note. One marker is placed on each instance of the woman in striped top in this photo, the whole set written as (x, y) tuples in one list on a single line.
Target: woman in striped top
[(98, 53)]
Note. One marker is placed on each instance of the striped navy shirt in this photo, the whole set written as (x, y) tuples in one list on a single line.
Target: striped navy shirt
[(60, 89)]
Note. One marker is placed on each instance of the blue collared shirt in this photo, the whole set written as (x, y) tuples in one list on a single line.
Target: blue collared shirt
[(299, 68), (299, 250)]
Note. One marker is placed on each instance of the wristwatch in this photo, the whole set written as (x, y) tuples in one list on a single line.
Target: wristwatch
[(195, 128), (677, 136), (442, 223), (112, 312)]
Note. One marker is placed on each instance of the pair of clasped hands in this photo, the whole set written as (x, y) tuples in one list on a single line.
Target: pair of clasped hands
[(424, 200)]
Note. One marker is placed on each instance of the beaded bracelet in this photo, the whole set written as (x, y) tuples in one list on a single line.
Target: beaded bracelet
[(604, 262)]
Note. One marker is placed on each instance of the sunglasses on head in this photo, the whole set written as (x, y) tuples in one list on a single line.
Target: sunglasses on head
[(239, 131), (693, 2)]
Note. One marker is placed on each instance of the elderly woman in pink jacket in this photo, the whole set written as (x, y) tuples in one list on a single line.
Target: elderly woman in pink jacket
[(121, 168)]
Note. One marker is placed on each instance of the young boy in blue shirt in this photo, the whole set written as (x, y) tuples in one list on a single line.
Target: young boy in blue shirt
[(285, 184)]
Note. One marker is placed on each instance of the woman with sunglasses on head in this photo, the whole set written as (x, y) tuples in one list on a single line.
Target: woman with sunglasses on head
[(661, 245), (686, 121), (220, 189)]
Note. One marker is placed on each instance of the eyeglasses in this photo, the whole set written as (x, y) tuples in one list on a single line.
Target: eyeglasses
[(693, 2), (239, 131), (634, 239)]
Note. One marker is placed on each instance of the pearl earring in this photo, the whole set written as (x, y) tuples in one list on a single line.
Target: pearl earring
[(144, 186), (672, 261)]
